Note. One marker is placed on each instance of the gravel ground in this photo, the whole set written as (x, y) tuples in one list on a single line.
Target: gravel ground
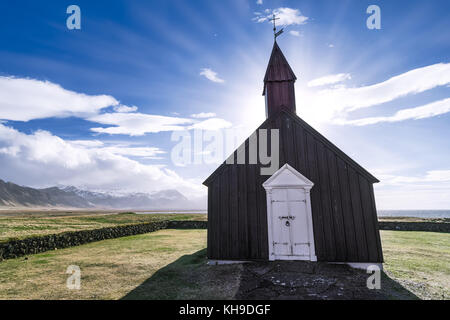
[(301, 280)]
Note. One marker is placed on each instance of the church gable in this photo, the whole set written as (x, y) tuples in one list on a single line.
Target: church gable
[(294, 136)]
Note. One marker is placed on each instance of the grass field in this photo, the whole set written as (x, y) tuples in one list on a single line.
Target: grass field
[(110, 269), (171, 264), (21, 225), (420, 261)]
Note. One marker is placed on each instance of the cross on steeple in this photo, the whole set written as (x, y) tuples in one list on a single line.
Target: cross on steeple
[(274, 26), (275, 33)]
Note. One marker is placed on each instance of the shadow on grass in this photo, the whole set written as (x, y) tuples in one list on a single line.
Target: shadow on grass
[(393, 290), (172, 281), (189, 277)]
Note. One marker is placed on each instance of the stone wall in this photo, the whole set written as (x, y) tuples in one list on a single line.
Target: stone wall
[(17, 248), (414, 226), (185, 224)]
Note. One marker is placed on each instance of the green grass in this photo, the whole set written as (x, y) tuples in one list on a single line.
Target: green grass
[(22, 226), (171, 264), (110, 269), (420, 261), (189, 278)]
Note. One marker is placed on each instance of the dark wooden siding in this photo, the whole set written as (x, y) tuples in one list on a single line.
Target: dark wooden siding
[(280, 95), (343, 204)]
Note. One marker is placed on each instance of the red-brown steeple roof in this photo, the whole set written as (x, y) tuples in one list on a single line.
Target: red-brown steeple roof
[(278, 68), (279, 83)]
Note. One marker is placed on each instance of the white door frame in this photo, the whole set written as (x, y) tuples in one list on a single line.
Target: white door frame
[(292, 180)]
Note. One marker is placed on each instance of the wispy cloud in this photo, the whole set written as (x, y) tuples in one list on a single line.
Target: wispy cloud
[(86, 143), (203, 115), (430, 190), (426, 111), (123, 108), (294, 33), (137, 124), (287, 17), (260, 2), (336, 103), (211, 124), (23, 99), (211, 75), (329, 79), (429, 176), (141, 152), (119, 148), (27, 99)]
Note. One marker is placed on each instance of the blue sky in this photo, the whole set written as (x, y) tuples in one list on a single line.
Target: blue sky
[(96, 107)]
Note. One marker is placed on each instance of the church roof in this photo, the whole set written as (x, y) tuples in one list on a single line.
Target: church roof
[(278, 68)]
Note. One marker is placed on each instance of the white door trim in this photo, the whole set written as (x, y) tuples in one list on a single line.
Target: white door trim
[(289, 178)]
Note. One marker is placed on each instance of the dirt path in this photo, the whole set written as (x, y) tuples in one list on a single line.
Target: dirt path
[(306, 280)]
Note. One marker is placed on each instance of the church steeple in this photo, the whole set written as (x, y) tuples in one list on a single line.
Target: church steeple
[(279, 83)]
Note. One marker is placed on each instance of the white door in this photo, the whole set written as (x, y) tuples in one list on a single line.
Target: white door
[(289, 216), (290, 233)]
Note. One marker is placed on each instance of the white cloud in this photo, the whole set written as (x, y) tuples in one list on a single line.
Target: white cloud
[(203, 115), (123, 108), (329, 79), (429, 176), (335, 103), (86, 143), (211, 75), (429, 191), (260, 2), (211, 124), (287, 16), (294, 33), (26, 99), (121, 148), (331, 45), (137, 124), (426, 111), (143, 152), (41, 159)]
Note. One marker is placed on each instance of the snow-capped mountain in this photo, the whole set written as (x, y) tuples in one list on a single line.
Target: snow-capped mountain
[(160, 199), (13, 195)]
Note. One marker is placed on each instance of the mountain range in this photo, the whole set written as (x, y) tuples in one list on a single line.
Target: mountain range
[(13, 195)]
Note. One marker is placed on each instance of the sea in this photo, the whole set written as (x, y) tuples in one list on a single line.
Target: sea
[(381, 213), (415, 213)]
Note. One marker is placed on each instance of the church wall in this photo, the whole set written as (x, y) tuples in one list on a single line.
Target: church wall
[(343, 204)]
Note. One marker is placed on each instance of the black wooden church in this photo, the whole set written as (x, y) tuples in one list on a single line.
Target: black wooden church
[(319, 205)]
